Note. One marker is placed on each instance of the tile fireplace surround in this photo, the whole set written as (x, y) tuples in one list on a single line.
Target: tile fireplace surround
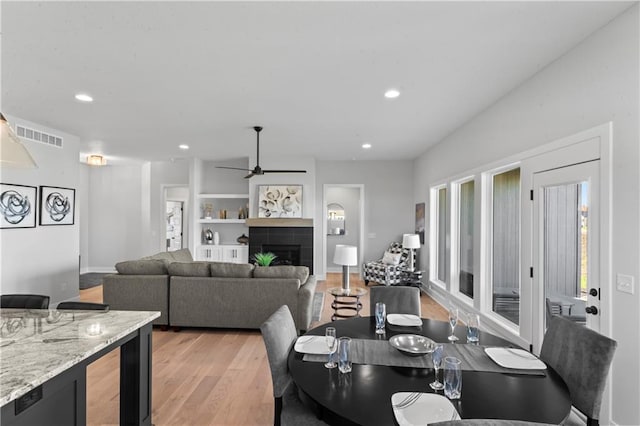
[(290, 239)]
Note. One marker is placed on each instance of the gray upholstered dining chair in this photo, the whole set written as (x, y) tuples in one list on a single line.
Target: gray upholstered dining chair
[(487, 422), (85, 306), (582, 357), (279, 334), (398, 300), (24, 301)]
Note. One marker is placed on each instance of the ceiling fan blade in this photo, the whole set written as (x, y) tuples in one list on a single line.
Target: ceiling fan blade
[(233, 168), (250, 175), (284, 171)]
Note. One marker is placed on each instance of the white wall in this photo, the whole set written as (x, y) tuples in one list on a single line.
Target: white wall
[(592, 84), (83, 211), (125, 211), (162, 174), (115, 216), (389, 211), (348, 198), (44, 259), (307, 180)]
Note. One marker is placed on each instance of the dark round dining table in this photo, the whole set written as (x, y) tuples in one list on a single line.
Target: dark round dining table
[(363, 397)]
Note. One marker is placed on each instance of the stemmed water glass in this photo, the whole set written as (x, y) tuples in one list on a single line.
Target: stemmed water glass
[(453, 320), (436, 358), (332, 344)]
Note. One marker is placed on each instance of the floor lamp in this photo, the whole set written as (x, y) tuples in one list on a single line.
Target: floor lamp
[(411, 242), (345, 256)]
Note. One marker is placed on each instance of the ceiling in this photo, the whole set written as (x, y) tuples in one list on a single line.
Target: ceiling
[(312, 73)]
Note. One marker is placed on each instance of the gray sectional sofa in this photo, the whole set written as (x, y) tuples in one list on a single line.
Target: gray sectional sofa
[(209, 294)]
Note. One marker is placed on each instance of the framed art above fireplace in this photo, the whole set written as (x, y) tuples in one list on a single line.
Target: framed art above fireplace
[(279, 201)]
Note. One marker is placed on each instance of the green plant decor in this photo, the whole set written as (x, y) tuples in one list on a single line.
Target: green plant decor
[(264, 259)]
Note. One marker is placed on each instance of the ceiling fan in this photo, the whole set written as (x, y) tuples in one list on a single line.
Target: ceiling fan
[(257, 170)]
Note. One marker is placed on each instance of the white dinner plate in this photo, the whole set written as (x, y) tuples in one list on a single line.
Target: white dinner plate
[(515, 358), (406, 320), (311, 345), (417, 409)]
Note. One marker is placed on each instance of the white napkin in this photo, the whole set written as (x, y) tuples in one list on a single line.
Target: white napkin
[(515, 358), (417, 409), (311, 345), (406, 320)]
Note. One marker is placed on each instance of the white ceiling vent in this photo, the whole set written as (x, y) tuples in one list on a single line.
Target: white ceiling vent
[(35, 135)]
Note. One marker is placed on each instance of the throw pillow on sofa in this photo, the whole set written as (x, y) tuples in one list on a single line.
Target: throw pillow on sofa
[(189, 269), (282, 271), (142, 267), (391, 258), (182, 255), (231, 270)]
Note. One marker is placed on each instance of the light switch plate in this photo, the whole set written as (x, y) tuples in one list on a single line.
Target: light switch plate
[(371, 235), (625, 283)]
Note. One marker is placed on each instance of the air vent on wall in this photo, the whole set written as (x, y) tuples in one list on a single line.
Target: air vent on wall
[(35, 135)]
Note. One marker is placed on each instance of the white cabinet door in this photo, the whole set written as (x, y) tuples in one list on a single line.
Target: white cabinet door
[(210, 253), (235, 254)]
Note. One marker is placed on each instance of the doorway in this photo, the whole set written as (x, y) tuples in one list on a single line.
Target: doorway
[(173, 222), (175, 217), (566, 257), (565, 235), (343, 221)]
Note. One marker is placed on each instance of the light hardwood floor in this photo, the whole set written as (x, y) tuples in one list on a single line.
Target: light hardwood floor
[(206, 376)]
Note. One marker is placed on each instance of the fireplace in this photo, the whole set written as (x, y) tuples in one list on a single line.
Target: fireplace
[(289, 239), (287, 254)]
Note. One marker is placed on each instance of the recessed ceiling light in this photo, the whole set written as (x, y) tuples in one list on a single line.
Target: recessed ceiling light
[(366, 145), (83, 97), (391, 93), (183, 146)]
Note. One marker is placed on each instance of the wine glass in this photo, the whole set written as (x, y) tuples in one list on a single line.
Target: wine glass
[(453, 320), (332, 344), (436, 358)]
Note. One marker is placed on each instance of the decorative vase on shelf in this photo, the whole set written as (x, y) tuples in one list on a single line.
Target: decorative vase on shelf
[(243, 239), (208, 236), (216, 238)]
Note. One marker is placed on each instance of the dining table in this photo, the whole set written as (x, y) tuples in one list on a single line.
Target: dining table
[(363, 396)]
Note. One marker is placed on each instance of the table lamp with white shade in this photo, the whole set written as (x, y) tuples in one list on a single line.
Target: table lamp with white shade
[(345, 256), (411, 242)]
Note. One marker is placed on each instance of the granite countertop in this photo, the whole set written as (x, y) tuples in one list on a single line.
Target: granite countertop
[(38, 344)]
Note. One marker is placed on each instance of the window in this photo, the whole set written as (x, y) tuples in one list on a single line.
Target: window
[(505, 249), (440, 224), (465, 238)]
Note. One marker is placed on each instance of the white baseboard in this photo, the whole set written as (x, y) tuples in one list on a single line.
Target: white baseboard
[(99, 269)]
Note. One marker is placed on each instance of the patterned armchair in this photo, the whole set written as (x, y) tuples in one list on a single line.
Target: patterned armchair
[(387, 273)]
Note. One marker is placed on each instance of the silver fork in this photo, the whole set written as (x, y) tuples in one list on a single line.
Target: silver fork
[(410, 399)]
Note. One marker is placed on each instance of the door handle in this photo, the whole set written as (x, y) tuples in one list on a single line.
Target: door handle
[(591, 310)]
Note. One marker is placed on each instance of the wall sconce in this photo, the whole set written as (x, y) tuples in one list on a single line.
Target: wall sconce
[(96, 160), (12, 152)]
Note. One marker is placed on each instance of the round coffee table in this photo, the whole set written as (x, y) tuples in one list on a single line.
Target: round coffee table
[(346, 303)]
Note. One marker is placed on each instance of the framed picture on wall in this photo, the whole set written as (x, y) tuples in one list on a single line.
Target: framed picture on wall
[(57, 205), (18, 205), (280, 201), (420, 221)]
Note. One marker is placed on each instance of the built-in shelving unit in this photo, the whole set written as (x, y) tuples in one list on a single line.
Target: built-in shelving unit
[(212, 209)]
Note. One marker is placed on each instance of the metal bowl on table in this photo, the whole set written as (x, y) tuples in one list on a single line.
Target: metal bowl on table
[(412, 344)]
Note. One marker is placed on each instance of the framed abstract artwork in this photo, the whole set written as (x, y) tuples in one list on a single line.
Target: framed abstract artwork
[(57, 205), (420, 221), (279, 201), (17, 206)]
